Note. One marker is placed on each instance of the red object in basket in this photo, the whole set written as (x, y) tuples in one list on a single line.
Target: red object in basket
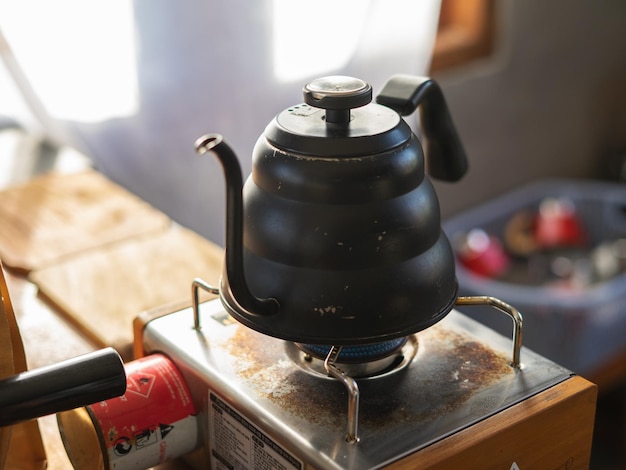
[(483, 254), (557, 225)]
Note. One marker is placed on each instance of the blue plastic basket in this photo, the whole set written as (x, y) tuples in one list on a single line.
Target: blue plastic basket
[(577, 329)]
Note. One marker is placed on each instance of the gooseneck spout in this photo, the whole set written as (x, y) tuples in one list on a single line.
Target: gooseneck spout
[(234, 279)]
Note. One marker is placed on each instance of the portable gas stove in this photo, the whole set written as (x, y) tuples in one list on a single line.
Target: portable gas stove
[(334, 245), (453, 394)]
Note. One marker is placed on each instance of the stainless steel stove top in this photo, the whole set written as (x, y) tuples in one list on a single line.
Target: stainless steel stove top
[(259, 392)]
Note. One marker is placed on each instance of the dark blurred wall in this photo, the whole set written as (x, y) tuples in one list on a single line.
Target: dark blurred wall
[(551, 102)]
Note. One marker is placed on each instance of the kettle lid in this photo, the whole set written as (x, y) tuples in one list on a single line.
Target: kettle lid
[(337, 119)]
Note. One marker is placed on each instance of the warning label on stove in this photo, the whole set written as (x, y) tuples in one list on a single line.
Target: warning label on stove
[(238, 444)]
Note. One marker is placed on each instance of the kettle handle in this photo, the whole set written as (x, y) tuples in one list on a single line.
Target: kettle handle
[(445, 156)]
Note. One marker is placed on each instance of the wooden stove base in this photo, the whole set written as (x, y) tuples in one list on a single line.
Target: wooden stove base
[(552, 430)]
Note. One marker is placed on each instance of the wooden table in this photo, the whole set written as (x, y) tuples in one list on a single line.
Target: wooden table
[(53, 327), (48, 339)]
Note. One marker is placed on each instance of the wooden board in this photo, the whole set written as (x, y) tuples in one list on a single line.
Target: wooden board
[(60, 214), (103, 290), (21, 445), (552, 429)]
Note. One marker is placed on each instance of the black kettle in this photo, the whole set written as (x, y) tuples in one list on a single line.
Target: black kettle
[(335, 239)]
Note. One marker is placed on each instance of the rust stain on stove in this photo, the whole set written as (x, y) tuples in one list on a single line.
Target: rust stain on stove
[(451, 370), (274, 376), (250, 348)]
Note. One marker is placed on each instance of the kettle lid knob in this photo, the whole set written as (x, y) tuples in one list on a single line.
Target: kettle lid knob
[(337, 94)]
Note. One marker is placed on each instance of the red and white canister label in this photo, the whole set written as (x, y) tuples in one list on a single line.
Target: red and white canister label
[(154, 421)]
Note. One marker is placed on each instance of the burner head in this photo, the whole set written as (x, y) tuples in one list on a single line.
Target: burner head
[(355, 354), (361, 361)]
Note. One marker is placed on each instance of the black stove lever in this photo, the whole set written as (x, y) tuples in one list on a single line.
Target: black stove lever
[(69, 384)]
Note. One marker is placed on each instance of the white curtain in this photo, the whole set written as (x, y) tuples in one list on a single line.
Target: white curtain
[(132, 84)]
